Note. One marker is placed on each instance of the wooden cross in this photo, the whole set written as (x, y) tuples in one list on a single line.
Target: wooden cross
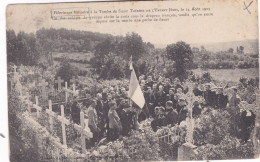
[(83, 132), (36, 106), (64, 122), (43, 85), (51, 114), (17, 76), (59, 81), (73, 80), (15, 68), (29, 104)]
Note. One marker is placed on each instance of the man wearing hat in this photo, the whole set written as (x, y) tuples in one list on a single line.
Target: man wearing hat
[(171, 116)]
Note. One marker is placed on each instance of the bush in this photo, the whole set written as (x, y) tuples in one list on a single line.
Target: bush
[(212, 127), (228, 148)]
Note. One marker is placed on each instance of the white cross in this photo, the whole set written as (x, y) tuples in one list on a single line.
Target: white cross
[(64, 122), (29, 104), (83, 132), (51, 114), (59, 81), (37, 107), (15, 68)]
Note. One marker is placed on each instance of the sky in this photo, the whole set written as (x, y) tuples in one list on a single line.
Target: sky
[(230, 20)]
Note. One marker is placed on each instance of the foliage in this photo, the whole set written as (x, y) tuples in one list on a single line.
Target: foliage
[(22, 149), (23, 48), (211, 127), (67, 71), (229, 148), (182, 55)]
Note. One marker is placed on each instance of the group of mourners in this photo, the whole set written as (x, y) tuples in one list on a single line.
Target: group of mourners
[(112, 114)]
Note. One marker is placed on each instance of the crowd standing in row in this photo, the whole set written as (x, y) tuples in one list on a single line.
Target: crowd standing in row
[(111, 114)]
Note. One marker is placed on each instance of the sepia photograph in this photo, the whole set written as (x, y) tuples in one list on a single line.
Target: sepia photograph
[(133, 81)]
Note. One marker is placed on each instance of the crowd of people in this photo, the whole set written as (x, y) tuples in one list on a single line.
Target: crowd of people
[(112, 114)]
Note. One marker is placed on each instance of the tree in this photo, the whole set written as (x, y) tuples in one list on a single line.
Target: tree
[(66, 71), (202, 49), (241, 49), (230, 50), (134, 46), (102, 53), (182, 55)]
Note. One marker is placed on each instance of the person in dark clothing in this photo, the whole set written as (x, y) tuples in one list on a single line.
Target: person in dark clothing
[(208, 95), (159, 120), (75, 111), (246, 124), (100, 114), (104, 94), (149, 82), (220, 100), (196, 110), (105, 111), (171, 97), (167, 86), (151, 102), (196, 90), (171, 116), (160, 97), (181, 109), (127, 120)]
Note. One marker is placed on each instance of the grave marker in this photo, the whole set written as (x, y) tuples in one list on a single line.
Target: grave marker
[(59, 81), (83, 132), (37, 107), (51, 114), (64, 122), (15, 68)]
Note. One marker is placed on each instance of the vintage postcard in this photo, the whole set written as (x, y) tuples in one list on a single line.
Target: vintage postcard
[(133, 81)]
